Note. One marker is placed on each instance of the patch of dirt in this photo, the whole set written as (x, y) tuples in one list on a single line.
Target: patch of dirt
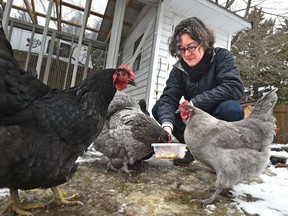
[(156, 188)]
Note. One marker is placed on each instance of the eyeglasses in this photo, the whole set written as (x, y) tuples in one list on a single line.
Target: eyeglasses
[(190, 49)]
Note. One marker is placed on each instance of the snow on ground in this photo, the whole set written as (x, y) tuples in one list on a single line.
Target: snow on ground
[(272, 194), (4, 192), (90, 155)]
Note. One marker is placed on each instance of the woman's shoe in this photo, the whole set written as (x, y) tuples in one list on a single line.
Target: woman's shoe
[(186, 161)]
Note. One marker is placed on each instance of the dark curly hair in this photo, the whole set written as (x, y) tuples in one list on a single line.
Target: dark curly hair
[(197, 30)]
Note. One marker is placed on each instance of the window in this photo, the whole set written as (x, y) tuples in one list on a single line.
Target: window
[(137, 62)]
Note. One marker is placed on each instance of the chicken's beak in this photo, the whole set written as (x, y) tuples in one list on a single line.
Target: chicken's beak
[(178, 110), (132, 82)]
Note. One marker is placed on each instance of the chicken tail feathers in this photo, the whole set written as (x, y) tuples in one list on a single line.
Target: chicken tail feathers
[(266, 103)]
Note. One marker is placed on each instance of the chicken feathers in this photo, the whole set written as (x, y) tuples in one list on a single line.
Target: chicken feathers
[(17, 88), (121, 101), (128, 133), (234, 150)]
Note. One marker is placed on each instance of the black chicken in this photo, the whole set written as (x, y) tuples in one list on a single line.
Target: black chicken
[(128, 133), (234, 150), (17, 88), (43, 131)]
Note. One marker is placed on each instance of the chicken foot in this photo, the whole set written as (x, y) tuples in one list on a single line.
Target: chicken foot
[(110, 166), (211, 199), (59, 200), (125, 165), (124, 168), (19, 208)]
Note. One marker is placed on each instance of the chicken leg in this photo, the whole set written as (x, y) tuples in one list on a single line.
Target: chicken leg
[(125, 165), (110, 166), (59, 200), (19, 208)]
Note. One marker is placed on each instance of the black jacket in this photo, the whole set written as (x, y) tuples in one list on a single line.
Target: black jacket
[(206, 89)]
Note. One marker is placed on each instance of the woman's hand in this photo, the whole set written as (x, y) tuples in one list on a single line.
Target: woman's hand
[(168, 129)]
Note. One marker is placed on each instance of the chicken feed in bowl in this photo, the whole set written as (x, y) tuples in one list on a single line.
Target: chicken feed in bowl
[(169, 150)]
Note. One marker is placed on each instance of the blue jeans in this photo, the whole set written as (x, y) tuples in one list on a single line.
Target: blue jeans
[(229, 110)]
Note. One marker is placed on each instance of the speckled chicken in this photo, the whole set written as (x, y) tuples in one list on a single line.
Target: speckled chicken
[(43, 131), (121, 101), (128, 133), (234, 150)]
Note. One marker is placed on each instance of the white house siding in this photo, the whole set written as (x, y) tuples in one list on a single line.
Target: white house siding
[(163, 58), (222, 39), (142, 75)]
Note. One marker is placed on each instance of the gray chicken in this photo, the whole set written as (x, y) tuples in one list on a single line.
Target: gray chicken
[(120, 101), (128, 133), (234, 150)]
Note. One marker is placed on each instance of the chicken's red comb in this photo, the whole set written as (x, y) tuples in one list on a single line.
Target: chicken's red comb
[(128, 69), (184, 103)]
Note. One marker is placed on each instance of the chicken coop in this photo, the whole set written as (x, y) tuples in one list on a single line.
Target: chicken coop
[(62, 41), (58, 60)]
